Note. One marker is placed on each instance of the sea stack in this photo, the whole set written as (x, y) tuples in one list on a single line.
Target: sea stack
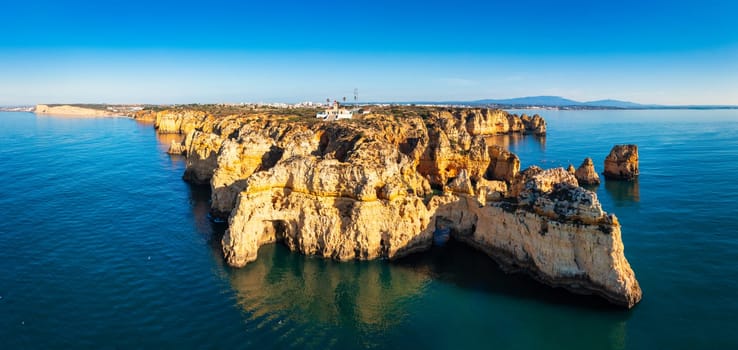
[(571, 169), (534, 125), (586, 174), (622, 163)]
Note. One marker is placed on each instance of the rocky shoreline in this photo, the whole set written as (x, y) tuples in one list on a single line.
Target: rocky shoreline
[(380, 186)]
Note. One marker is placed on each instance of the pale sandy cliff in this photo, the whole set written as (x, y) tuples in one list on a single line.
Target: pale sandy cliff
[(74, 111)]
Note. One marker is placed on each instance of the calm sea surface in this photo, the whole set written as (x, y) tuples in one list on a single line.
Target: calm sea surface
[(102, 245)]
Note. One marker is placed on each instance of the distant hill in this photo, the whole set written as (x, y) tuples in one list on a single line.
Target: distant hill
[(532, 101), (558, 101)]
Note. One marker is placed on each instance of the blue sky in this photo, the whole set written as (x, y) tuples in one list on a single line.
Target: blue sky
[(227, 51)]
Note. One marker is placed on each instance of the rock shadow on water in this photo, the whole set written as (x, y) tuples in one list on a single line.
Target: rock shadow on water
[(623, 193), (466, 267), (205, 224)]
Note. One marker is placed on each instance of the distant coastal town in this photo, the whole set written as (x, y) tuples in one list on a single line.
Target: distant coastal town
[(333, 109)]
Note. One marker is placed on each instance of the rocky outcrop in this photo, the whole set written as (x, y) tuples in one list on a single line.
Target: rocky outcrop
[(586, 174), (534, 125), (504, 165), (622, 163), (554, 231), (145, 115), (202, 154), (176, 148), (380, 186), (178, 121)]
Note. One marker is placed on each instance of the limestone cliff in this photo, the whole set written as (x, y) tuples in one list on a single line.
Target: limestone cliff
[(179, 122), (380, 186)]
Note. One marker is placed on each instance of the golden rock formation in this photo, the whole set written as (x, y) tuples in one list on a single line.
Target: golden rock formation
[(622, 163), (380, 186), (586, 174)]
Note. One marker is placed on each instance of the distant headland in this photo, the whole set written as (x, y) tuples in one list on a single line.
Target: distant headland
[(87, 110)]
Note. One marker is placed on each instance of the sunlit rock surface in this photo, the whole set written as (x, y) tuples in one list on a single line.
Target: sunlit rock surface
[(622, 163), (380, 186), (586, 174)]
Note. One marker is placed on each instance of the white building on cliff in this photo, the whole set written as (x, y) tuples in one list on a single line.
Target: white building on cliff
[(336, 112)]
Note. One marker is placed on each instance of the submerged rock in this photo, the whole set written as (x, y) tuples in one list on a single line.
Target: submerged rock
[(622, 163), (586, 174), (380, 186)]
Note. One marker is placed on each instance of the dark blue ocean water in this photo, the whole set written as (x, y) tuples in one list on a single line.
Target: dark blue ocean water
[(102, 245)]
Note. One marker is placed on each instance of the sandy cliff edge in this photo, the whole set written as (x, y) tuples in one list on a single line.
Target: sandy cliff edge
[(67, 110)]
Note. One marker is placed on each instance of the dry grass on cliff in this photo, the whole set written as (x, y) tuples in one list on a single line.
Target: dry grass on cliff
[(222, 110)]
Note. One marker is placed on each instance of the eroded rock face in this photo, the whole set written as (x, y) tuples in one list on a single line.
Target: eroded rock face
[(622, 163), (144, 115), (379, 188), (504, 165), (176, 122), (202, 154), (534, 125), (552, 230), (586, 174), (177, 148)]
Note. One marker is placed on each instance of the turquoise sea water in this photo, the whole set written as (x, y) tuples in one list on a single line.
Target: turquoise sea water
[(102, 245)]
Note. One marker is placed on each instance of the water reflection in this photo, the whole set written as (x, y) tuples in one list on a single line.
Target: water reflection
[(618, 335), (623, 192), (515, 140), (285, 291), (164, 140), (282, 289)]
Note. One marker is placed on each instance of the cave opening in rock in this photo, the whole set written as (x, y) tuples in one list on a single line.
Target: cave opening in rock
[(442, 233), (276, 231)]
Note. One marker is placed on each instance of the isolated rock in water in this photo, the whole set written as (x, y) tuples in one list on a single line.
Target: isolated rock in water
[(586, 174), (571, 169), (622, 163)]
